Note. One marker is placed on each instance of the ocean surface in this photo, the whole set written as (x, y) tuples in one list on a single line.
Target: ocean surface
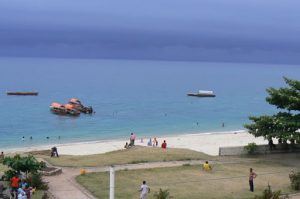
[(145, 97)]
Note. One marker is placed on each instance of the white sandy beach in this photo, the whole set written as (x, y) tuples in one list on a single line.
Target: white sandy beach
[(204, 142)]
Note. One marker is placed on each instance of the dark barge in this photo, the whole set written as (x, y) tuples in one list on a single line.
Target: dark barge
[(22, 93)]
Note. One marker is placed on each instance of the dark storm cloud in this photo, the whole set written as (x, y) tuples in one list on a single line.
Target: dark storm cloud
[(214, 30)]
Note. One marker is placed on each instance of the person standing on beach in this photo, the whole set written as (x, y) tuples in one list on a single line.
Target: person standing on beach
[(252, 175), (132, 139), (164, 145), (144, 190)]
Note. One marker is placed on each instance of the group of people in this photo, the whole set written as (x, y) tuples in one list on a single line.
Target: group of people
[(153, 143), (20, 189), (131, 141)]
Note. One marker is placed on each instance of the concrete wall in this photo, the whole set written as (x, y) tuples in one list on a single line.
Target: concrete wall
[(261, 149)]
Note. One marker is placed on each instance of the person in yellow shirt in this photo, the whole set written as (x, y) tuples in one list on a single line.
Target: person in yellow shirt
[(206, 166)]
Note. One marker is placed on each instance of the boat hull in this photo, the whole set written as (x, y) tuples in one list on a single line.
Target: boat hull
[(22, 93), (201, 95), (62, 111)]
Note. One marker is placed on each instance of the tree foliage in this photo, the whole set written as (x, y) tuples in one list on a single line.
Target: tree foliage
[(284, 125), (23, 164)]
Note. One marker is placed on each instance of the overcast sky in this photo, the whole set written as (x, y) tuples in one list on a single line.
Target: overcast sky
[(202, 30)]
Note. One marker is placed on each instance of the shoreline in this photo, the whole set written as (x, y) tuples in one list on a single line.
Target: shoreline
[(208, 143)]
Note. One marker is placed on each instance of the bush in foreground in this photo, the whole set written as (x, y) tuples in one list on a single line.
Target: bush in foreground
[(295, 180), (162, 194), (269, 194)]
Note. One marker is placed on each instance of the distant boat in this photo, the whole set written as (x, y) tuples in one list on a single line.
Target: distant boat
[(202, 93), (66, 109), (23, 93)]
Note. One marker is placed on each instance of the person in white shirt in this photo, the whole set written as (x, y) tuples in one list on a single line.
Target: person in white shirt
[(144, 190)]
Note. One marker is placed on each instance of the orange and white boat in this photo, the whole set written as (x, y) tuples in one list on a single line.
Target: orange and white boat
[(67, 109)]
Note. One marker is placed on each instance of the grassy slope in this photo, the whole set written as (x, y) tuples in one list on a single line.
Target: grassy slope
[(134, 155), (225, 181), (2, 168)]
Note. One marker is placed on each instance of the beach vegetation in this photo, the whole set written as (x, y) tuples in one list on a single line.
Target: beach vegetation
[(269, 194), (39, 194), (138, 161), (295, 180), (25, 164), (284, 125), (162, 194), (36, 180), (251, 148)]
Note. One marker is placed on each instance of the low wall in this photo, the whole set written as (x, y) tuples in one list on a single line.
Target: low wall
[(261, 149)]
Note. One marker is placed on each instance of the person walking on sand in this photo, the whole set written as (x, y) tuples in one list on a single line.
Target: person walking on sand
[(144, 190), (252, 175)]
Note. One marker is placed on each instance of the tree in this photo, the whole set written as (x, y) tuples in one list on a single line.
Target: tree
[(20, 164), (284, 125)]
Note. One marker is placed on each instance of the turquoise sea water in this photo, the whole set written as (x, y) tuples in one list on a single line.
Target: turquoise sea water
[(146, 97)]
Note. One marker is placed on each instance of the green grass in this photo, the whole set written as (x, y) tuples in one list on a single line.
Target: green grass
[(37, 195), (3, 168), (225, 181), (131, 156)]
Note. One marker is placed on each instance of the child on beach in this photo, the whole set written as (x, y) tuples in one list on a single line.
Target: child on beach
[(206, 166), (164, 145), (144, 190), (126, 145)]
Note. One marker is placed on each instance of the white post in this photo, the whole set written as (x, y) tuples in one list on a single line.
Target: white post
[(112, 183)]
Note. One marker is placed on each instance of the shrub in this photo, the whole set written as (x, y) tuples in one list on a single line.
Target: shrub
[(295, 180), (37, 181), (269, 194), (162, 194), (251, 148)]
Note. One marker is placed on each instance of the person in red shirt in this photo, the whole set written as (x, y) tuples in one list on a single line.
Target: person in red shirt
[(14, 184), (164, 145)]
